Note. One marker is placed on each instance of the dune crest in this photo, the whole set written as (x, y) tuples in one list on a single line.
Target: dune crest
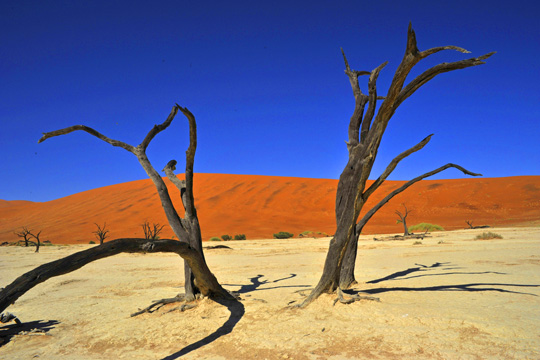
[(259, 206)]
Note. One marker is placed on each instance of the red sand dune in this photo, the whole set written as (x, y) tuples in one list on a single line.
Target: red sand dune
[(259, 206)]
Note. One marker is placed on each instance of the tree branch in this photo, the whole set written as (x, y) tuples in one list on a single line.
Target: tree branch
[(190, 160), (393, 165), (424, 54), (360, 103), (371, 212), (89, 130), (159, 128), (434, 71), (352, 72), (180, 184), (372, 88), (206, 282)]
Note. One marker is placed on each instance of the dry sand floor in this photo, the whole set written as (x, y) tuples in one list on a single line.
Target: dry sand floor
[(451, 297)]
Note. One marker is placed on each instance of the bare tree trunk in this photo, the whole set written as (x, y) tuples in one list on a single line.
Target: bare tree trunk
[(191, 220), (365, 133)]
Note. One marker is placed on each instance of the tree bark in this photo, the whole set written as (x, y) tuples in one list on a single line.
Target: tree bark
[(365, 133), (206, 281), (191, 220)]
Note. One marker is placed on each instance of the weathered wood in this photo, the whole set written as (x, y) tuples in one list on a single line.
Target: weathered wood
[(191, 220), (206, 281), (365, 133), (403, 237), (470, 223)]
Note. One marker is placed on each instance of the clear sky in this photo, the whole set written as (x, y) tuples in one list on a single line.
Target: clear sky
[(265, 81)]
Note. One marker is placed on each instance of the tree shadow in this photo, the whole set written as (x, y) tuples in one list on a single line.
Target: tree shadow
[(237, 312), (7, 332), (236, 309), (256, 284), (424, 268), (458, 287), (472, 287)]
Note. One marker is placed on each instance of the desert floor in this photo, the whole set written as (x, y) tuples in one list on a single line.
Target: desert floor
[(451, 297)]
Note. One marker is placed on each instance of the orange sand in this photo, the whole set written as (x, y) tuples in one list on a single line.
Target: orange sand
[(259, 206)]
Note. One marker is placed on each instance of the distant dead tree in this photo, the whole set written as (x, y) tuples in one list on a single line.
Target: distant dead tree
[(366, 129), (151, 232), (101, 233), (186, 229), (403, 219), (470, 223), (38, 243), (25, 233)]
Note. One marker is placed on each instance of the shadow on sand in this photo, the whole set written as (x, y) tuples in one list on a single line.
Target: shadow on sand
[(237, 311), (33, 327), (448, 269)]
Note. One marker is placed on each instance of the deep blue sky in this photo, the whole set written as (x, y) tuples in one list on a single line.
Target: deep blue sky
[(265, 81)]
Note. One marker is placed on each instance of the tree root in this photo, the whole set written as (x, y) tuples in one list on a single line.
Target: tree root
[(188, 303), (7, 317), (158, 304), (352, 298)]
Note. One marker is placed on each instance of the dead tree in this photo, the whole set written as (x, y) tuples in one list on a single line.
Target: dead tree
[(38, 243), (470, 223), (101, 233), (365, 132), (25, 233), (151, 232), (186, 229), (403, 219)]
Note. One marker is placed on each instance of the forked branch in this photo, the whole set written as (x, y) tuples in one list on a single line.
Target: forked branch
[(393, 165), (436, 70), (159, 128)]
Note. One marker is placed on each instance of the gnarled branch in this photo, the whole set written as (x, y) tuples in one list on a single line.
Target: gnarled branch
[(393, 165), (190, 159), (372, 88), (206, 282), (159, 128), (436, 70), (370, 213), (89, 130)]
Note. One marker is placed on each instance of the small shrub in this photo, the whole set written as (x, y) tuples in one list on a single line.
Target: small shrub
[(215, 239), (417, 243), (488, 236), (313, 234), (240, 237), (283, 235), (92, 242), (425, 227), (226, 237)]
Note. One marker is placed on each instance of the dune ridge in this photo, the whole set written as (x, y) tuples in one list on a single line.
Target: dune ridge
[(259, 206)]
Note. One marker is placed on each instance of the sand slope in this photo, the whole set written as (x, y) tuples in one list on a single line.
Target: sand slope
[(449, 298), (260, 206)]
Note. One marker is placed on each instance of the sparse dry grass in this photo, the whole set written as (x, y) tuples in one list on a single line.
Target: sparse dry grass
[(488, 236)]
